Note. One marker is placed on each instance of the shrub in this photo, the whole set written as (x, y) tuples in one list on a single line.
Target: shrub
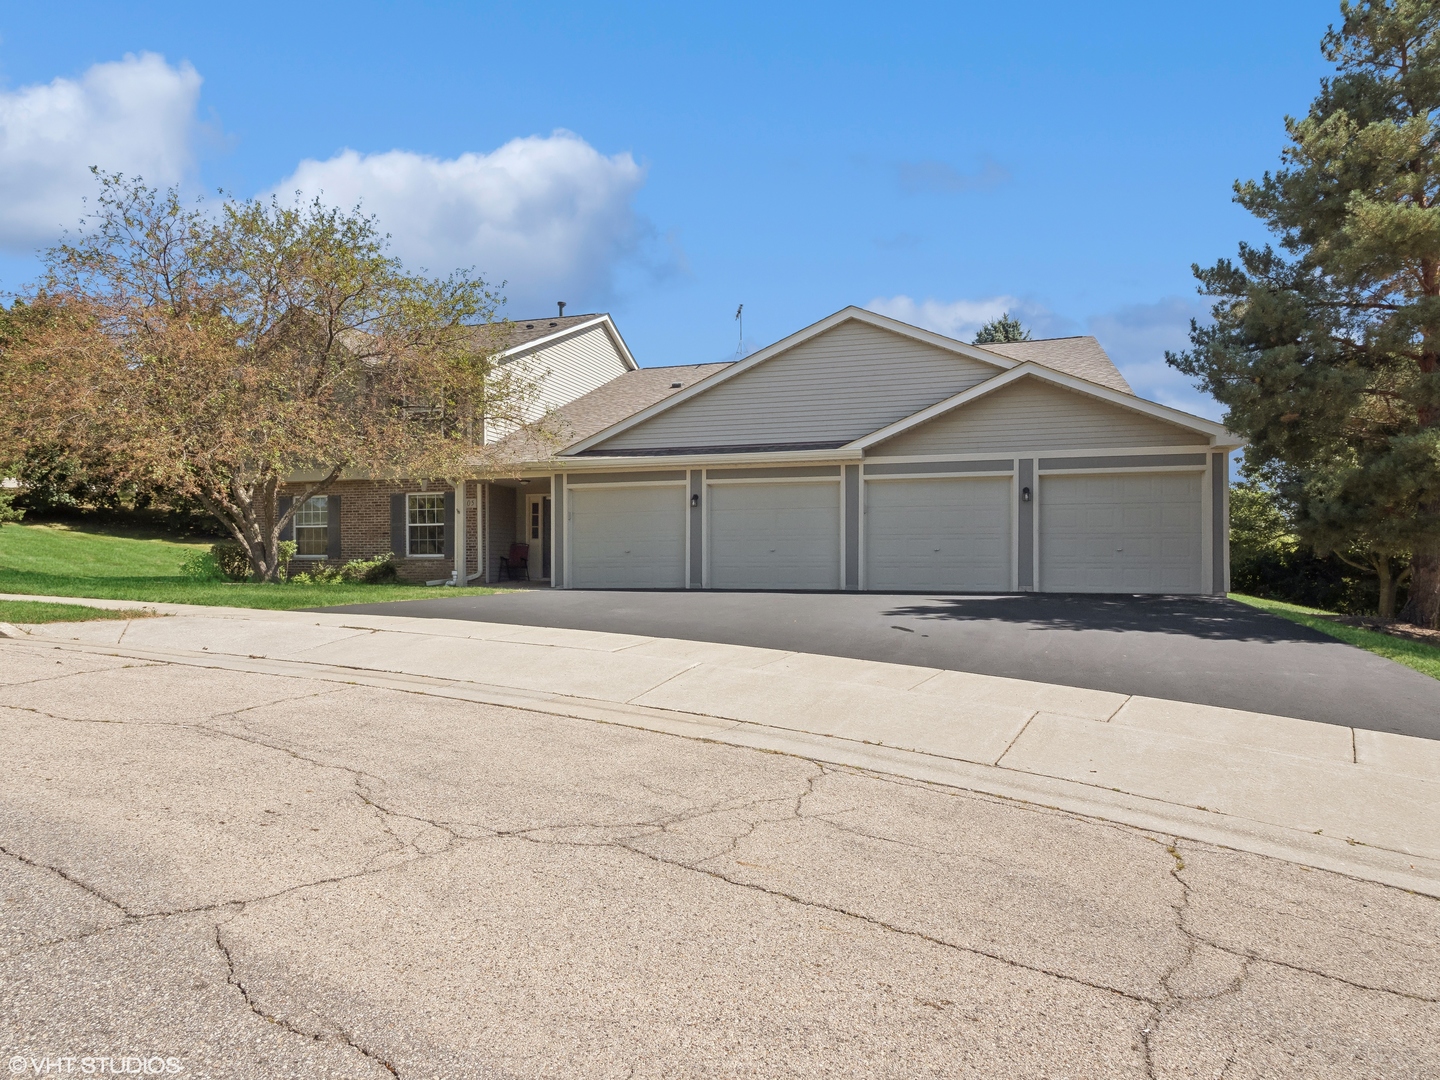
[(234, 563), (371, 571), (8, 511), (201, 566), (357, 571)]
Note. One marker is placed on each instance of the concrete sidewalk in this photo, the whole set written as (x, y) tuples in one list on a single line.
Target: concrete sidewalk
[(1350, 800)]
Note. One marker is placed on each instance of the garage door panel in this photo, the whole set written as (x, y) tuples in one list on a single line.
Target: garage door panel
[(775, 536), (1120, 533), (941, 535), (627, 537)]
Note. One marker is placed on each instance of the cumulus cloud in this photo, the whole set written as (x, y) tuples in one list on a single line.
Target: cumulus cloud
[(135, 116), (960, 319), (550, 215)]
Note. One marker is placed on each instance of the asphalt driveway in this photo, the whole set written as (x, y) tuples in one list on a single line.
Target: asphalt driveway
[(1202, 649)]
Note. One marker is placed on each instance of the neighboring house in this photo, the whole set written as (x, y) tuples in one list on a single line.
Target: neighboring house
[(860, 453)]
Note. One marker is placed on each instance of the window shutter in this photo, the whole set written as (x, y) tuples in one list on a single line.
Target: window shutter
[(282, 507), (450, 524), (332, 526), (397, 526)]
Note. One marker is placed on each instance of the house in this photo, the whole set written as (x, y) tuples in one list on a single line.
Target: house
[(860, 453)]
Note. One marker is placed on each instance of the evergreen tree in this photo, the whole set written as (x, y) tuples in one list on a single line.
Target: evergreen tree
[(1327, 352), (1001, 330)]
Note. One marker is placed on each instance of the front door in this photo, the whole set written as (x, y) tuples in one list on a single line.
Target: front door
[(537, 532)]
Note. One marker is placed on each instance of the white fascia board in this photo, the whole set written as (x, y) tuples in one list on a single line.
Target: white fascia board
[(1029, 369), (882, 322), (572, 331), (692, 461)]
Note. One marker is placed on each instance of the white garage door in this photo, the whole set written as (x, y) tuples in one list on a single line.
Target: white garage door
[(775, 536), (937, 535), (1121, 532), (627, 537)]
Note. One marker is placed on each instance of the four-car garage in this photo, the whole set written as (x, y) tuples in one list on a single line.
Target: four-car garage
[(1128, 530)]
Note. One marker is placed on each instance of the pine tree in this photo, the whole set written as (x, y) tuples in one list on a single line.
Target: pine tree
[(1001, 330), (1326, 353)]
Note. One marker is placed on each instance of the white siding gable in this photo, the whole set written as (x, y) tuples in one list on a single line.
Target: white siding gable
[(834, 387), (568, 369), (1030, 415)]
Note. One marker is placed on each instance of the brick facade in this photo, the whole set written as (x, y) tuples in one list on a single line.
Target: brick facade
[(365, 526)]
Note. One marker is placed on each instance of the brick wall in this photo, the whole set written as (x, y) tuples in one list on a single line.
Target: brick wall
[(365, 526)]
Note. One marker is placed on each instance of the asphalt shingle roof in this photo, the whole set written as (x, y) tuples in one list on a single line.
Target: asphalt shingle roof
[(520, 331), (622, 396), (1079, 356)]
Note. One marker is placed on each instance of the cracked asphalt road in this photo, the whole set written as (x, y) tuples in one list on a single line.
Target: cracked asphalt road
[(279, 877)]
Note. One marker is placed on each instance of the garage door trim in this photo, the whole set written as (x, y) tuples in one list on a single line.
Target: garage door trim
[(1012, 474), (1204, 573), (568, 489), (837, 480)]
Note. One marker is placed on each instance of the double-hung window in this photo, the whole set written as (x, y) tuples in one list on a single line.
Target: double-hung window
[(312, 528), (425, 524)]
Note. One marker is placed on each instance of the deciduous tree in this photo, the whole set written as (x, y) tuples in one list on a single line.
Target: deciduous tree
[(217, 351)]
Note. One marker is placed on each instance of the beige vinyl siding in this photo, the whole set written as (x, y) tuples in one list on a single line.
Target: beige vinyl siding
[(1029, 416), (839, 385), (569, 369)]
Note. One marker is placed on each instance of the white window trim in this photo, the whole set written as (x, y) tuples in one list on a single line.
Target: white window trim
[(417, 494), (295, 528)]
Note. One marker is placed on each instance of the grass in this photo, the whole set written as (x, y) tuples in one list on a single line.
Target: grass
[(41, 611), (1413, 654), (63, 560)]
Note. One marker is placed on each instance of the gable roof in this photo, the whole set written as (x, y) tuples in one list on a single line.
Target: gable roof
[(883, 322), (1207, 428), (514, 336), (1081, 356), (607, 405)]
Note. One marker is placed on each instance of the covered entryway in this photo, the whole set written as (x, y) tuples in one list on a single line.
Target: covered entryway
[(1120, 532), (941, 535), (627, 536), (779, 534)]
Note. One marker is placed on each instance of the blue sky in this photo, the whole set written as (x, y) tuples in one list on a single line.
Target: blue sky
[(939, 162)]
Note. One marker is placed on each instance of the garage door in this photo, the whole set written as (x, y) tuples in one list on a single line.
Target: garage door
[(1122, 532), (937, 535), (627, 537), (775, 536)]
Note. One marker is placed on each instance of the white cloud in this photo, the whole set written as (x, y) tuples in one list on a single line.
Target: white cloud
[(135, 116), (552, 216), (960, 319)]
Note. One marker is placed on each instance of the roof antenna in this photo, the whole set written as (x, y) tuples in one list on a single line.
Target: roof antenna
[(740, 345), (562, 308)]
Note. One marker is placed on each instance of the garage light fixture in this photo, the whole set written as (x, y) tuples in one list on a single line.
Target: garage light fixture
[(694, 500), (1024, 494)]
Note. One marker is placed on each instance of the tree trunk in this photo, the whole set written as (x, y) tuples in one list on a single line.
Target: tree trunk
[(1387, 587), (1422, 607)]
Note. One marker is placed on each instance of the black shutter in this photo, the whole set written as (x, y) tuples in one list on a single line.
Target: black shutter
[(282, 507), (450, 524), (332, 527), (397, 526)]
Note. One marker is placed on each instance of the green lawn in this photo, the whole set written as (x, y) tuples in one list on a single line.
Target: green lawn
[(58, 560), (38, 611), (1414, 654)]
